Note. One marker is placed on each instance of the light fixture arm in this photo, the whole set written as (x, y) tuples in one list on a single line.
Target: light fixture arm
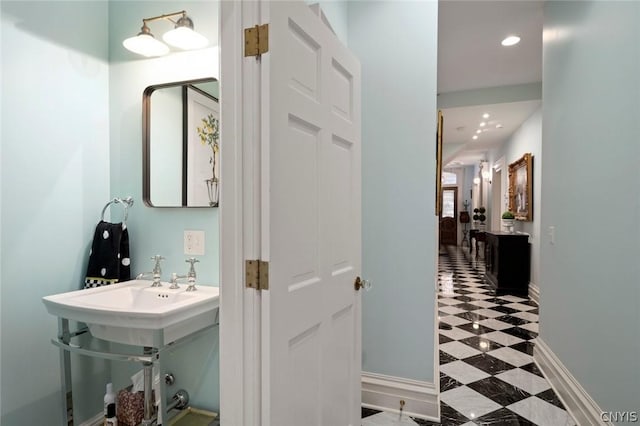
[(166, 16)]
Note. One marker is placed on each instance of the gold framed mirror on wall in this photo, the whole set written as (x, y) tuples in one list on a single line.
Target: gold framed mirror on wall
[(521, 188)]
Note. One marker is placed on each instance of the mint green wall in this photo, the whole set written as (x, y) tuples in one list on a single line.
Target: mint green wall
[(398, 172), (590, 151), (527, 138), (153, 230), (55, 181), (336, 12)]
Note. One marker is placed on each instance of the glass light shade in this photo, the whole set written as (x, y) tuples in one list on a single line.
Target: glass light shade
[(185, 38), (146, 45), (511, 40)]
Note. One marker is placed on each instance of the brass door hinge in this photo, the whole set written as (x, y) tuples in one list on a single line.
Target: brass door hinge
[(257, 274), (256, 40)]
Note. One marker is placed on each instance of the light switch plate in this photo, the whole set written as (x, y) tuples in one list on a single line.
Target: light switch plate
[(194, 242)]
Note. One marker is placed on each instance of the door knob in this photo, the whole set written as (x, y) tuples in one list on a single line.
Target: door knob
[(360, 283)]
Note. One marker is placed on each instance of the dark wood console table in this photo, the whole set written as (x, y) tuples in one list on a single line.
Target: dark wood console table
[(479, 235), (507, 259)]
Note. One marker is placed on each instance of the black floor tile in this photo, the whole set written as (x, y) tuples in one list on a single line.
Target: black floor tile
[(532, 368), (503, 309), (512, 320), (502, 417), (447, 383), (489, 364), (476, 329), (444, 339), (550, 396), (445, 358), (451, 417), (521, 333), (467, 306), (526, 347), (471, 316), (481, 344), (501, 392), (366, 412)]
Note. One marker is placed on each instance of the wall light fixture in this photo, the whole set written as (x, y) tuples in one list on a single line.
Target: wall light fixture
[(182, 36)]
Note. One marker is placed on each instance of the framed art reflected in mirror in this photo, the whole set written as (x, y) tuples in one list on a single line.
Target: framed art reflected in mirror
[(521, 188)]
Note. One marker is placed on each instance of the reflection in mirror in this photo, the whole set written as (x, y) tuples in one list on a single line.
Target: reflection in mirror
[(181, 164)]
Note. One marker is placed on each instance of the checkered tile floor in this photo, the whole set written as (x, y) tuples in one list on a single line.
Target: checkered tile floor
[(487, 374)]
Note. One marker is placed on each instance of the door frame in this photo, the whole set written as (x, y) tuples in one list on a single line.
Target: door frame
[(239, 217)]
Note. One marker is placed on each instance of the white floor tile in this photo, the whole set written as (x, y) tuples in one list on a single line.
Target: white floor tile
[(533, 326), (453, 320), (520, 306), (503, 338), (512, 356), (479, 296), (459, 350), (388, 419), (477, 290), (469, 402), (483, 303), (495, 324), (541, 412), (451, 310), (528, 316), (448, 301), (526, 381), (456, 333), (512, 298), (463, 372), (489, 313)]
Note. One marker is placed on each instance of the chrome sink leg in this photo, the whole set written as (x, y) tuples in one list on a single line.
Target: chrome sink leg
[(64, 336), (147, 367)]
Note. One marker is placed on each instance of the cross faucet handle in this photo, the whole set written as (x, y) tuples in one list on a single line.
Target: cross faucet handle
[(157, 271), (191, 275)]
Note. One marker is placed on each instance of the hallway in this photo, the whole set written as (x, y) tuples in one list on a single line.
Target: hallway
[(487, 374)]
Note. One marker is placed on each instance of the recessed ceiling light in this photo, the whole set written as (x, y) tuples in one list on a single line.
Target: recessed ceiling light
[(483, 124), (474, 137), (511, 40), (485, 115), (498, 126), (478, 131)]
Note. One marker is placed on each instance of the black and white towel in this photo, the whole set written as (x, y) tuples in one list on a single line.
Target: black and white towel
[(109, 260)]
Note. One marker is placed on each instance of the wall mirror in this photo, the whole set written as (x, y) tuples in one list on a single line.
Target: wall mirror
[(181, 129)]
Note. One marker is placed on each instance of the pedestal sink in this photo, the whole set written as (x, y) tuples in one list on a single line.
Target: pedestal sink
[(134, 313)]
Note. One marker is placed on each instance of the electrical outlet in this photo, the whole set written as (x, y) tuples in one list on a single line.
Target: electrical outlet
[(194, 243)]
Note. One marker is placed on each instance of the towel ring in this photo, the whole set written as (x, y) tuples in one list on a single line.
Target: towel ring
[(126, 203)]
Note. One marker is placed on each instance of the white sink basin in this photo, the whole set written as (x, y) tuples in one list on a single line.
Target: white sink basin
[(135, 313)]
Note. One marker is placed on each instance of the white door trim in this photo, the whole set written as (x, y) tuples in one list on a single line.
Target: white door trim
[(382, 392), (239, 219)]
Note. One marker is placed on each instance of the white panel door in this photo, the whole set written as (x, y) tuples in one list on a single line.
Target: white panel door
[(311, 190)]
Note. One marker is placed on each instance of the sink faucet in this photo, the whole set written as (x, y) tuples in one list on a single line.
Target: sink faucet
[(155, 274), (174, 280), (191, 275)]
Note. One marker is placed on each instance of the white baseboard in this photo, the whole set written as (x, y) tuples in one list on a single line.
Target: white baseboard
[(381, 392), (575, 398), (96, 420), (534, 293)]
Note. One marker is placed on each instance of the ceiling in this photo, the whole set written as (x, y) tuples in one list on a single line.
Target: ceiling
[(475, 67)]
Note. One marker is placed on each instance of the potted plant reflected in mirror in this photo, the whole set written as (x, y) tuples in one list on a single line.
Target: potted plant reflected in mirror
[(479, 217), (210, 135), (508, 218)]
